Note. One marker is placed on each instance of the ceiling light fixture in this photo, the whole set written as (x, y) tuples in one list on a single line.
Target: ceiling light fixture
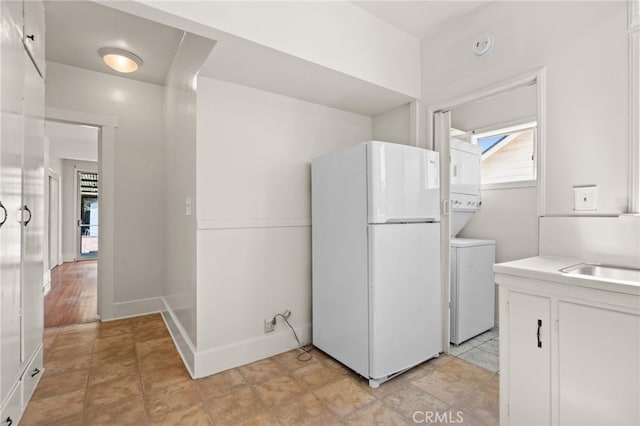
[(120, 60)]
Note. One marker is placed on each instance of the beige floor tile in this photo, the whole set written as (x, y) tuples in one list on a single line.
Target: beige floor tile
[(73, 420), (52, 385), (305, 410), (150, 333), (316, 375), (466, 372), (458, 416), (110, 342), (343, 397), (53, 408), (196, 415), (123, 413), (483, 404), (161, 401), (63, 364), (290, 361), (278, 390), (262, 370), (162, 345), (235, 406), (108, 393), (377, 414), (265, 418), (409, 399), (221, 383), (444, 387), (63, 348), (114, 328), (158, 361), (153, 379), (113, 354), (105, 371)]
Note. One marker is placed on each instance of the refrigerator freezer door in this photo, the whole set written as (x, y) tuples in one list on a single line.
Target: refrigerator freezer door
[(405, 298), (404, 183)]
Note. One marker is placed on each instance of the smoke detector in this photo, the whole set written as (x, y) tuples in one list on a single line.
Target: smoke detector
[(483, 45)]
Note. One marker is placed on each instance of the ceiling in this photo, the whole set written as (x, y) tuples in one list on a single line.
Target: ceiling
[(422, 17), (77, 29)]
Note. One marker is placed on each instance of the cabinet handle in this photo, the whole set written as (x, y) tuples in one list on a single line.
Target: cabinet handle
[(9, 422), (35, 372), (29, 211), (538, 333), (32, 37), (4, 211)]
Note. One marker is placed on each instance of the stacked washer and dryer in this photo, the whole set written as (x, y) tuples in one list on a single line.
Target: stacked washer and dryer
[(472, 279)]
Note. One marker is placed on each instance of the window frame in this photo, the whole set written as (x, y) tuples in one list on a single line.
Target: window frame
[(508, 127)]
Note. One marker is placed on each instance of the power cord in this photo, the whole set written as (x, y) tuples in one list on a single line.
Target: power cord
[(304, 350)]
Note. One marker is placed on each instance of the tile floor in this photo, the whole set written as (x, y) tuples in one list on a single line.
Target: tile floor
[(128, 372), (483, 350)]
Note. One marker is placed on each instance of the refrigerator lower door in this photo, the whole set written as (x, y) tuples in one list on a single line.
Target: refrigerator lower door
[(404, 296)]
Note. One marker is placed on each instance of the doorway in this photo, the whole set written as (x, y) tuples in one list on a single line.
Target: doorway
[(88, 215), (73, 194)]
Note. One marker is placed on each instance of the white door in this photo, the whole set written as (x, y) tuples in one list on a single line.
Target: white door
[(529, 358), (54, 221), (403, 183), (404, 296)]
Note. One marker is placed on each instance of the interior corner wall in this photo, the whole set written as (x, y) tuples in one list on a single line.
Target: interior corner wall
[(179, 290), (393, 126), (583, 46), (138, 170), (254, 150)]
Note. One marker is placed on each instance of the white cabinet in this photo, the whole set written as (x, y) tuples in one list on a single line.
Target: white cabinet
[(21, 214), (34, 32), (569, 348), (529, 355)]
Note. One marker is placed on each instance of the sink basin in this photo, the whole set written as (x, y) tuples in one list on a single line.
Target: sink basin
[(604, 272)]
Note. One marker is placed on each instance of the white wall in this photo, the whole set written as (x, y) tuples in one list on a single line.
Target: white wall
[(179, 291), (69, 201), (253, 189), (71, 141), (336, 35), (393, 126), (137, 178), (583, 46)]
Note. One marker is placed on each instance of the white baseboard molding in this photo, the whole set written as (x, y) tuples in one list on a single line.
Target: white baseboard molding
[(46, 282), (183, 343), (214, 360), (136, 308)]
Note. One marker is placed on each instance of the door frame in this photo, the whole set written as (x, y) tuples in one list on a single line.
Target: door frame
[(537, 77), (77, 218), (107, 126), (53, 175)]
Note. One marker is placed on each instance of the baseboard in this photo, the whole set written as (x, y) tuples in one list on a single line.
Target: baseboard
[(214, 360), (46, 282), (136, 308), (183, 343)]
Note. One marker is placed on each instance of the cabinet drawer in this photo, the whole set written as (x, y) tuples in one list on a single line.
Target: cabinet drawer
[(12, 410), (32, 376)]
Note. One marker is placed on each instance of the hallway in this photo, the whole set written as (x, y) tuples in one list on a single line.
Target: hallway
[(73, 295)]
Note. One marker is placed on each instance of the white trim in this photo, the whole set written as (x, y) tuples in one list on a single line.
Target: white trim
[(505, 127), (634, 15), (214, 360), (106, 169), (181, 339), (68, 257), (253, 223), (134, 308), (46, 279), (509, 185), (634, 122)]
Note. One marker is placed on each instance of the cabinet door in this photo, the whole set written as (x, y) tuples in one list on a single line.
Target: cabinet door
[(34, 32), (529, 359), (11, 136), (33, 199), (599, 366)]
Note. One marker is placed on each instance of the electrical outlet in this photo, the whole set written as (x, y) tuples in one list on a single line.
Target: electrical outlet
[(585, 198), (269, 325)]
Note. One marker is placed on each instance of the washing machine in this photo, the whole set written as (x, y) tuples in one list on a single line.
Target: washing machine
[(472, 288)]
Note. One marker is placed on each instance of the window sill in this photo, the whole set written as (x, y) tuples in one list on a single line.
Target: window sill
[(509, 185)]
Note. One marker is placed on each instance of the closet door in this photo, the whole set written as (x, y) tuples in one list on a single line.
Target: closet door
[(11, 137), (33, 205)]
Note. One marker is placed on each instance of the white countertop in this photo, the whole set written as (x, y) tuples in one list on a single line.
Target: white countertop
[(548, 269)]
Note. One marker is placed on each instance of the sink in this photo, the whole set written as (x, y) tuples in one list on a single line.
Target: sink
[(604, 272)]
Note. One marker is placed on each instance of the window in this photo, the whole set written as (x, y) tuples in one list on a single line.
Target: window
[(508, 155)]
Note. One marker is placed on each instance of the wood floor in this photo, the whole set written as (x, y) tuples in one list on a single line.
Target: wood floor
[(73, 295)]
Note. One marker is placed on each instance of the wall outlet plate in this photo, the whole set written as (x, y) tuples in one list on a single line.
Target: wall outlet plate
[(585, 198), (268, 325)]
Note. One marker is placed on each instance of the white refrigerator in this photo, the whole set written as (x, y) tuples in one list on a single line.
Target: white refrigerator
[(376, 290)]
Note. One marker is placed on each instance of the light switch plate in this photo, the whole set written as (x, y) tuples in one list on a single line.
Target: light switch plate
[(585, 198)]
